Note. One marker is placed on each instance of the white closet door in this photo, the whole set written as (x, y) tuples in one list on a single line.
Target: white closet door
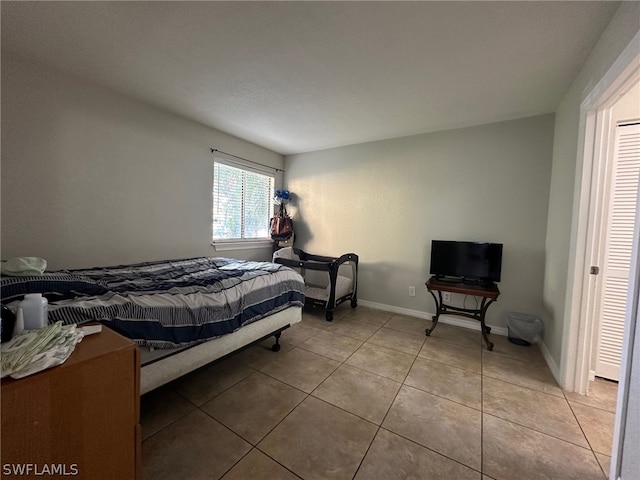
[(618, 246)]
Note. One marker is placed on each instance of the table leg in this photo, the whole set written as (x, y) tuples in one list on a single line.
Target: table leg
[(434, 322), (484, 328), (486, 340), (434, 319)]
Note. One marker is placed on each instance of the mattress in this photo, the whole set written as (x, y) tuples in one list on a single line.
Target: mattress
[(166, 304)]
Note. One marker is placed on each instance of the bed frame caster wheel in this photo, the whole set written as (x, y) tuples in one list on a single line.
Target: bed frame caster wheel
[(329, 316), (275, 347), (428, 332), (490, 347), (354, 303)]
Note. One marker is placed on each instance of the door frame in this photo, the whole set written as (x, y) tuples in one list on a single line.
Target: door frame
[(593, 141)]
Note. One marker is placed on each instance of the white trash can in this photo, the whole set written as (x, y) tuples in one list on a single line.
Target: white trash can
[(524, 329)]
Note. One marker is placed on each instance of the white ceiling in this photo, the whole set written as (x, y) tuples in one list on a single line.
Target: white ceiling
[(303, 76)]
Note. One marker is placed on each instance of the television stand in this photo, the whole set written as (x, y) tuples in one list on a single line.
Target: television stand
[(489, 294), (462, 281)]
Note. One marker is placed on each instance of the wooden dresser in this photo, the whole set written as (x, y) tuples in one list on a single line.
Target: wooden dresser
[(80, 419)]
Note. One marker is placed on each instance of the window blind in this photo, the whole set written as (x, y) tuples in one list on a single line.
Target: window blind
[(242, 203)]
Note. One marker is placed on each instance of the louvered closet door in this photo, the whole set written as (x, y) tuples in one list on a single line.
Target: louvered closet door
[(618, 245)]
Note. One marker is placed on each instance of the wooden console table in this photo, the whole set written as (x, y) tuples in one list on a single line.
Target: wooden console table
[(489, 294)]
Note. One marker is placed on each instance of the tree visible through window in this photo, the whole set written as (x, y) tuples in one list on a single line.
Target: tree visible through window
[(242, 203)]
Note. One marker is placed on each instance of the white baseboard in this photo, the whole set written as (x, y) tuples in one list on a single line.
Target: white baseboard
[(450, 319), (555, 371)]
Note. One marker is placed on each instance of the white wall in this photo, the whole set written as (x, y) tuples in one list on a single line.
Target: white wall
[(91, 177), (387, 200), (627, 108), (563, 213)]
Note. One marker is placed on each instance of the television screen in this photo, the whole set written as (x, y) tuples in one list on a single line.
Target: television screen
[(473, 262)]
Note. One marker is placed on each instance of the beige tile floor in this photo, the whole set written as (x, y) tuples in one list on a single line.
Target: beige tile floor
[(369, 396)]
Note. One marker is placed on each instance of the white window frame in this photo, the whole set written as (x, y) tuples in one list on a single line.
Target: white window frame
[(221, 244)]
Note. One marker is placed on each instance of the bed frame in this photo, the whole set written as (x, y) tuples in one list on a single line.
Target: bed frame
[(263, 305), (161, 366)]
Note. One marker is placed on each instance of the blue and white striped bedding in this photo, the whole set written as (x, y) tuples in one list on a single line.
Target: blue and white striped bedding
[(165, 304)]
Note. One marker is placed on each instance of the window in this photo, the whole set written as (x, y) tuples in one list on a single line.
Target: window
[(242, 203)]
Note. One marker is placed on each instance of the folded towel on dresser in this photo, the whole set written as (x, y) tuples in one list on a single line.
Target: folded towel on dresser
[(23, 266)]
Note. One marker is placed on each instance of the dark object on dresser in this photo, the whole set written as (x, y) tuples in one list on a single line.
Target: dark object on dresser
[(7, 323)]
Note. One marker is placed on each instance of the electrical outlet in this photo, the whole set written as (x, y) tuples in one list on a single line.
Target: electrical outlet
[(446, 296), (412, 291)]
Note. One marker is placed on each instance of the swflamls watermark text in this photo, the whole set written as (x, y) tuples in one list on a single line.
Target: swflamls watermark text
[(42, 470)]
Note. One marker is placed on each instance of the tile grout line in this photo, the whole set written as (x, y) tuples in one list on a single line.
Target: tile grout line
[(310, 395), (413, 441), (171, 387), (534, 429), (341, 363), (379, 427), (265, 435), (519, 385), (593, 452), (481, 410), (199, 407)]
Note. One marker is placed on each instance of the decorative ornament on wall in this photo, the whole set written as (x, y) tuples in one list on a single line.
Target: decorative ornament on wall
[(281, 197)]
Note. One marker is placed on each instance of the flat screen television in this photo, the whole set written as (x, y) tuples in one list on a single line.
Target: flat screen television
[(468, 262)]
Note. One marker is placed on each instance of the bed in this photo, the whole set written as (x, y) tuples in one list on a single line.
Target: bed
[(182, 313)]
